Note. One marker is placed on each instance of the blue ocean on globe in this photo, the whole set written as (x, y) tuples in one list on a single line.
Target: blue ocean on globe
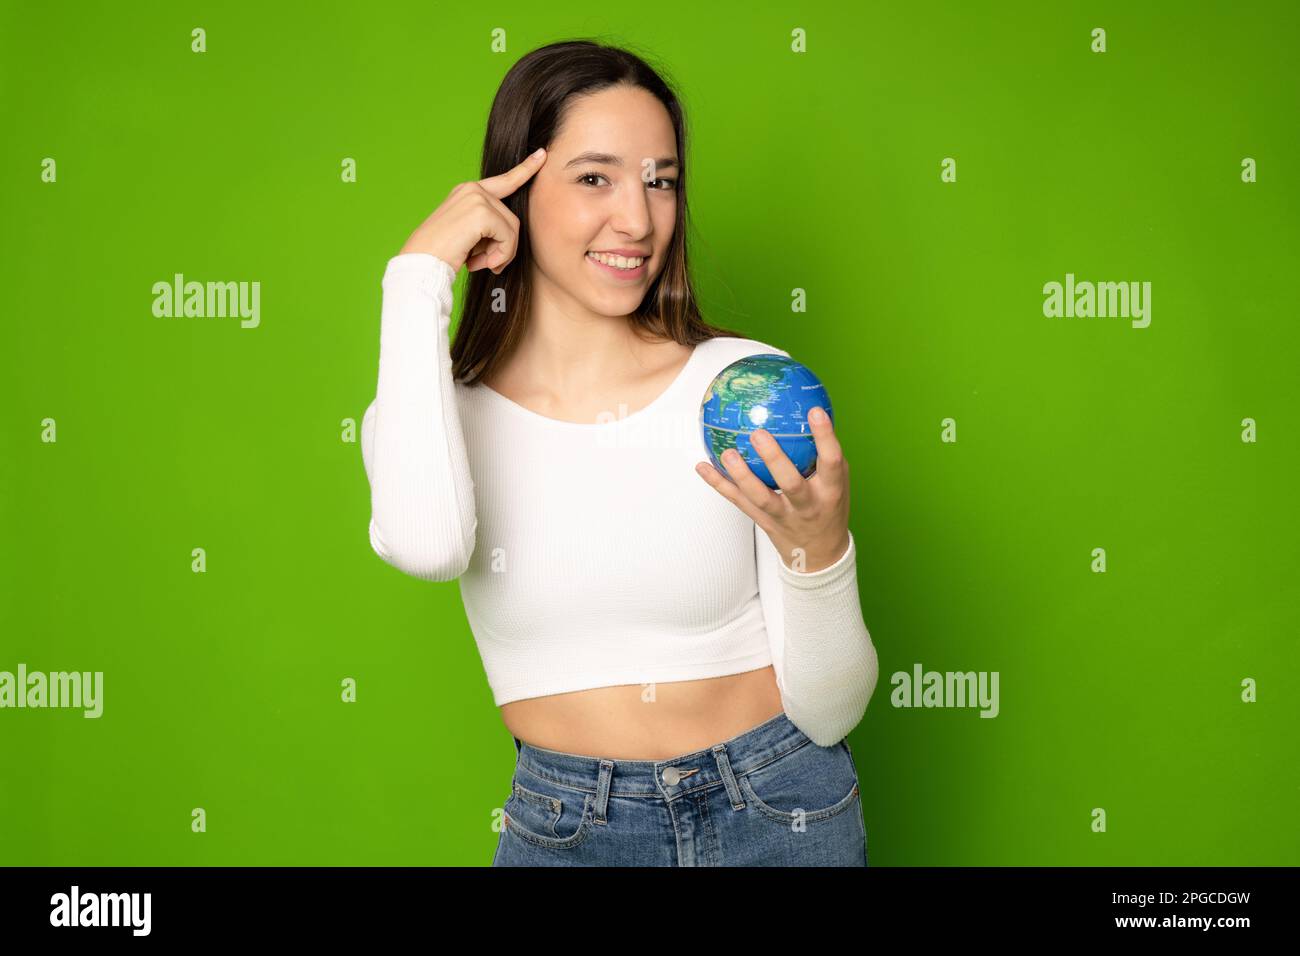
[(763, 391)]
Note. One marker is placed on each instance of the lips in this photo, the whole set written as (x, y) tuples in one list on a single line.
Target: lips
[(627, 275), (613, 257), (617, 273)]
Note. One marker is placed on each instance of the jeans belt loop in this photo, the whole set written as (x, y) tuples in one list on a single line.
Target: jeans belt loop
[(728, 778), (602, 791)]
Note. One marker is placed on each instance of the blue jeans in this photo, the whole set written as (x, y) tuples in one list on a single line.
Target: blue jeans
[(766, 797)]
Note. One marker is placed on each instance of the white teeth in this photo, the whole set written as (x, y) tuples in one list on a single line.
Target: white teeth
[(618, 262)]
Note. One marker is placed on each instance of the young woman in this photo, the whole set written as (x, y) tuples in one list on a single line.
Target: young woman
[(677, 655)]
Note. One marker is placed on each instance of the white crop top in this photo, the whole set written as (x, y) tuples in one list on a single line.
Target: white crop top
[(593, 555)]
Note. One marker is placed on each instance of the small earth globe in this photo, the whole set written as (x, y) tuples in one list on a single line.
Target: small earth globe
[(771, 392)]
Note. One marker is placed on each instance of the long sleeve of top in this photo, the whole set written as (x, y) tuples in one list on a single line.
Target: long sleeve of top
[(422, 518), (592, 555), (822, 653)]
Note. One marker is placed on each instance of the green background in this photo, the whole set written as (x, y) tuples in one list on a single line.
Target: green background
[(817, 171)]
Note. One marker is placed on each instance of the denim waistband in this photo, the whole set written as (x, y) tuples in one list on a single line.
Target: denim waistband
[(736, 756)]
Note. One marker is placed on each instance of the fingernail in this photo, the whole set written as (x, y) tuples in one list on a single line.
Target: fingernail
[(538, 152), (817, 415)]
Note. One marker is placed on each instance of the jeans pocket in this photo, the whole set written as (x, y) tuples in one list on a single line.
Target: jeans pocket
[(804, 785), (547, 814), (862, 819)]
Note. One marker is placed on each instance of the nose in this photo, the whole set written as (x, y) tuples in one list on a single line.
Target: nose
[(632, 217)]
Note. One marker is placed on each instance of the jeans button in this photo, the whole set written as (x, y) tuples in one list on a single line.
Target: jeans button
[(672, 776)]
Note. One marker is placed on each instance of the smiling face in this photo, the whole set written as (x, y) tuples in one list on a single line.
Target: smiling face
[(608, 185)]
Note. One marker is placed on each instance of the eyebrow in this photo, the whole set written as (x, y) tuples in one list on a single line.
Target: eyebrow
[(609, 159)]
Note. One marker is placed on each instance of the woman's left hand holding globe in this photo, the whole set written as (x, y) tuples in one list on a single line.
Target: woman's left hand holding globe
[(811, 515)]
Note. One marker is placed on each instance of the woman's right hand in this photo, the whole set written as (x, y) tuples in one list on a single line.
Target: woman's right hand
[(473, 227)]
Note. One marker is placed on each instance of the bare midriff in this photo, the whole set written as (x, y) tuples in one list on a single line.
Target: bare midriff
[(646, 721)]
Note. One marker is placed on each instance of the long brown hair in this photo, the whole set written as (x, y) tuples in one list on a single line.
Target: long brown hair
[(526, 114)]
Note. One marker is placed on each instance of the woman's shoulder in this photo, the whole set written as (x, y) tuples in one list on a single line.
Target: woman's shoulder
[(732, 348)]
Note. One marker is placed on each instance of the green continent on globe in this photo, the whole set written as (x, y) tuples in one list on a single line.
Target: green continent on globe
[(749, 384), (720, 440)]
